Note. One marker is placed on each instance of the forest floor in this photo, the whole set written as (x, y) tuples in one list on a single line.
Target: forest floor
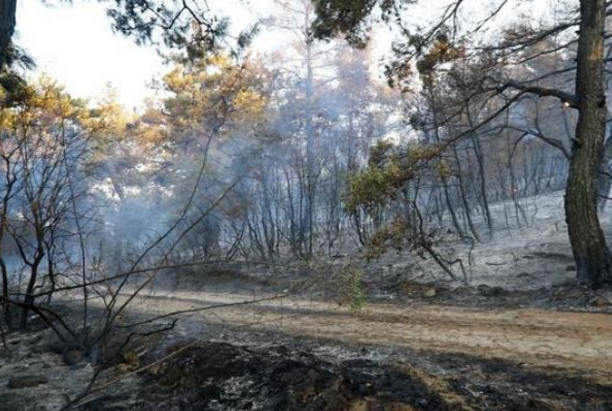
[(303, 354), (521, 335)]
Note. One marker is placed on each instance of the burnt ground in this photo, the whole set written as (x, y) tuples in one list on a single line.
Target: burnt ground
[(529, 266), (569, 296), (383, 287), (416, 346), (522, 336), (274, 372), (233, 367)]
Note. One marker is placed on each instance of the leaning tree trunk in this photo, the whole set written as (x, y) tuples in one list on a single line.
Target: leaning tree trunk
[(8, 9), (593, 261)]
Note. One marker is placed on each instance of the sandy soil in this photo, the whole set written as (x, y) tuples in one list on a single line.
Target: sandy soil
[(579, 342)]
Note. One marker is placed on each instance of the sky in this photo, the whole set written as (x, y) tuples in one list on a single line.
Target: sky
[(74, 44)]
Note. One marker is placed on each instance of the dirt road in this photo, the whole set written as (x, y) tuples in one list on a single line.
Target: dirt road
[(580, 342)]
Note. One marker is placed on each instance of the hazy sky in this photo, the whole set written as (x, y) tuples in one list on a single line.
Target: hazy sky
[(75, 44)]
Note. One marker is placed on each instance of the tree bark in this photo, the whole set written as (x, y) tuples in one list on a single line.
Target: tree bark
[(8, 10), (593, 261), (604, 182)]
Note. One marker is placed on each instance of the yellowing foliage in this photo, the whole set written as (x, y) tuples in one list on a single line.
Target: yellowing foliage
[(209, 87), (42, 101), (250, 102), (107, 119)]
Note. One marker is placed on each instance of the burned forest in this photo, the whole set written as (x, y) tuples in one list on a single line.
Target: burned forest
[(335, 205)]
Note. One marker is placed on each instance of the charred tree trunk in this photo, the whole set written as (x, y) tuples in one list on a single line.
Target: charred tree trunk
[(6, 306), (310, 146), (483, 183), (593, 261), (604, 183), (463, 195), (8, 10)]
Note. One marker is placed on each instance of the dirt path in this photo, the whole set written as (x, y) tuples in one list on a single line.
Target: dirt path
[(580, 342)]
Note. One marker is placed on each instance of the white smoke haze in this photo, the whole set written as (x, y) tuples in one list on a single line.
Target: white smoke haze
[(269, 183), (275, 169)]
